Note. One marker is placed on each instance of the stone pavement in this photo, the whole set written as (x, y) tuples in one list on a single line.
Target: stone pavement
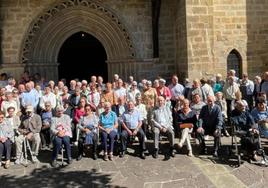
[(131, 171)]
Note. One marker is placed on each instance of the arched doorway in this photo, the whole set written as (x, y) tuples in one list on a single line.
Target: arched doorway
[(81, 56), (48, 32), (234, 61)]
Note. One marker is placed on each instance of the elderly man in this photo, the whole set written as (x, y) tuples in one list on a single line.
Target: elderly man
[(29, 129), (210, 123), (131, 123), (162, 121), (61, 134), (247, 128)]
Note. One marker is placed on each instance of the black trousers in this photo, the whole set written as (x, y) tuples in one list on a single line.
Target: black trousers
[(81, 142), (140, 135), (200, 137)]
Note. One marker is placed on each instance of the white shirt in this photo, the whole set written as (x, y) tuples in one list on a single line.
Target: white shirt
[(49, 97)]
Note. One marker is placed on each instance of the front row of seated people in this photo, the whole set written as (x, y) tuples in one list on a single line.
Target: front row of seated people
[(208, 122)]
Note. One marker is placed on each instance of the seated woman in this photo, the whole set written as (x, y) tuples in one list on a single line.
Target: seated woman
[(108, 126), (6, 137), (88, 131), (186, 120), (247, 129), (61, 134), (260, 115)]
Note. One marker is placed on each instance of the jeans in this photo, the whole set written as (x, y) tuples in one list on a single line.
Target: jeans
[(57, 144)]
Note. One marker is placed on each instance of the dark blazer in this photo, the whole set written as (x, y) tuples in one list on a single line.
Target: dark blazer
[(210, 120)]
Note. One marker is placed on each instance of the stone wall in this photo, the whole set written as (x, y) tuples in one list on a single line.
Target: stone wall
[(17, 15), (181, 41), (167, 43), (257, 33), (216, 27)]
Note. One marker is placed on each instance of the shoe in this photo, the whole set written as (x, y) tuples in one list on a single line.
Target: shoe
[(111, 157), (190, 154), (122, 154), (226, 133), (142, 155), (79, 157), (180, 145), (7, 164), (105, 157), (203, 151), (75, 143), (215, 154), (34, 159), (155, 154), (70, 161), (172, 152), (54, 164), (206, 137), (18, 161), (95, 156)]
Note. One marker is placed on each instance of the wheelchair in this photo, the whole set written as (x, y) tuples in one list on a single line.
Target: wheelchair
[(241, 141)]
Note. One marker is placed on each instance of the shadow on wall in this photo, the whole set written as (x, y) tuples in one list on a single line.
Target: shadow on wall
[(49, 177)]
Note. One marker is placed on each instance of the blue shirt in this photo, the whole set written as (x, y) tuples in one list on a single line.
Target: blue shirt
[(132, 119), (29, 98), (107, 121)]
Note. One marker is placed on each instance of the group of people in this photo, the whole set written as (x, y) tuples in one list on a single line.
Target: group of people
[(51, 116)]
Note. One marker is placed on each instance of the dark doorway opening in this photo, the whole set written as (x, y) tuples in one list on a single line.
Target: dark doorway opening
[(81, 56)]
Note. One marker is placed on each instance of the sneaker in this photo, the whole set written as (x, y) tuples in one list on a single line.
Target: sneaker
[(75, 143), (190, 154), (206, 137)]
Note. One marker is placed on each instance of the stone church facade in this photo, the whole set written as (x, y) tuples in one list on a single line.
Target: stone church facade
[(144, 38)]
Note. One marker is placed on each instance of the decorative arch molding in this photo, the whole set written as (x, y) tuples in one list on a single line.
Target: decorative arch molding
[(48, 32)]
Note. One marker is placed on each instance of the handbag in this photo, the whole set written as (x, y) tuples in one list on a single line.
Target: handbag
[(186, 125)]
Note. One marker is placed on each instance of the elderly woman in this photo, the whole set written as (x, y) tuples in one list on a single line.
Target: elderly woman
[(6, 137), (260, 115), (108, 127), (61, 134), (186, 120), (88, 132)]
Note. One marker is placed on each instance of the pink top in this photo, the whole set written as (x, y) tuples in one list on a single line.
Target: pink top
[(78, 113)]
